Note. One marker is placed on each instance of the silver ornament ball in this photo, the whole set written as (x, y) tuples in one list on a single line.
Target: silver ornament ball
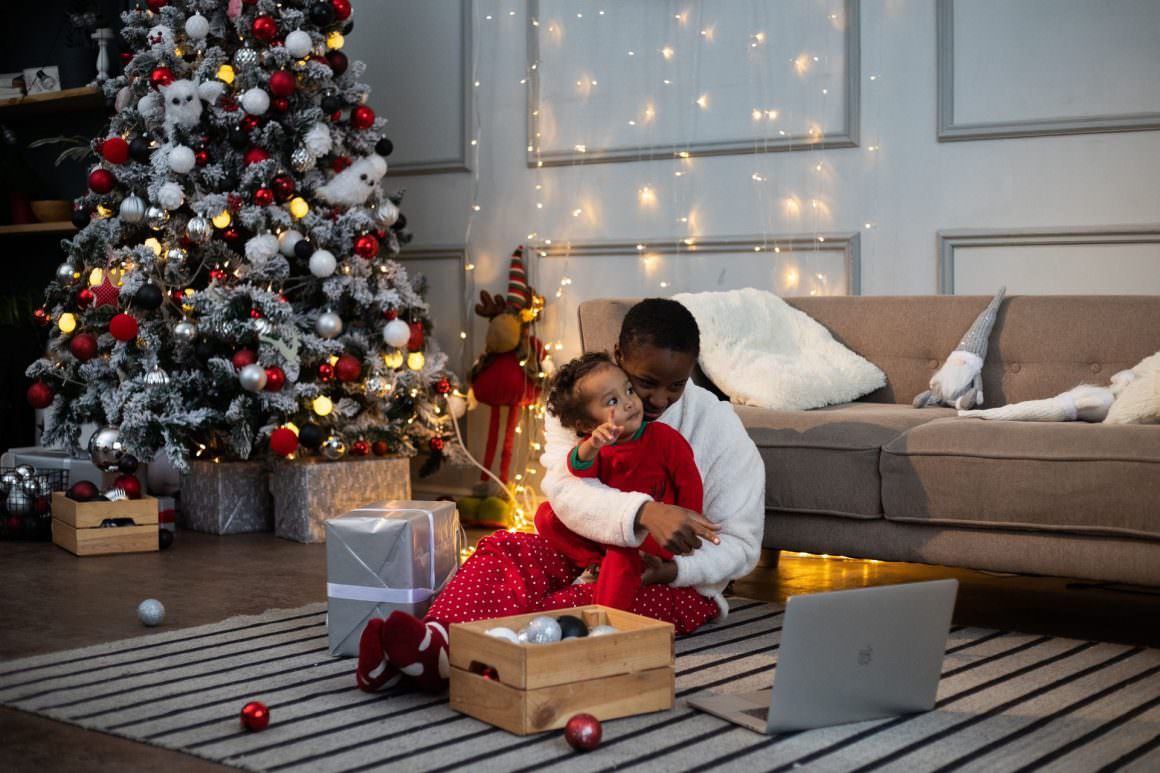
[(133, 209), (380, 386), (19, 501), (334, 448), (302, 160), (67, 274), (106, 449), (329, 325), (387, 214), (253, 378), (156, 217), (262, 326), (544, 630), (185, 331), (157, 377), (246, 57), (25, 471), (8, 480), (151, 612), (175, 256), (199, 230)]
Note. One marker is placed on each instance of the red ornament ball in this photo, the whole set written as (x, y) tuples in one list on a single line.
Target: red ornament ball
[(340, 162), (336, 116), (231, 234), (275, 379), (40, 395), (348, 368), (415, 342), (280, 104), (234, 202), (156, 5), (217, 275), (443, 386), (255, 716), (283, 186), (161, 76), (129, 484), (360, 448), (242, 358), (366, 246), (436, 444), (123, 327), (201, 157), (263, 197), (283, 441), (282, 83), (83, 346), (338, 62), (115, 150), (265, 29), (254, 155), (126, 56), (380, 448), (583, 732), (326, 372), (362, 117), (85, 297), (341, 9), (250, 122), (390, 314), (101, 180)]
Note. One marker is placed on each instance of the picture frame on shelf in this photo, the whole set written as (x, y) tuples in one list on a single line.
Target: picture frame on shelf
[(42, 80)]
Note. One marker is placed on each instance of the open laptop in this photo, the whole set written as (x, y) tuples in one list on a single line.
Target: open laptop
[(847, 656)]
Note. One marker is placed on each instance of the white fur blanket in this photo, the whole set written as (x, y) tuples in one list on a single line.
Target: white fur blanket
[(761, 351)]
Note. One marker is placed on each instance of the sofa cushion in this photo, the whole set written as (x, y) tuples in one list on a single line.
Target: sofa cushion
[(1055, 477), (826, 461)]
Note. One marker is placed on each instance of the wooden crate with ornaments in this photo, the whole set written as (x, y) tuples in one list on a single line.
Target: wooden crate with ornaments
[(529, 688), (101, 528)]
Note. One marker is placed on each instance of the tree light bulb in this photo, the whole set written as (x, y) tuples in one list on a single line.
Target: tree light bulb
[(335, 40), (153, 244), (394, 360), (416, 360), (299, 208), (322, 405), (222, 219), (67, 322), (96, 277), (225, 74)]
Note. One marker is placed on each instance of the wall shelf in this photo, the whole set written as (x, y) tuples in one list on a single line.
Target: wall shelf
[(67, 101), (63, 227)]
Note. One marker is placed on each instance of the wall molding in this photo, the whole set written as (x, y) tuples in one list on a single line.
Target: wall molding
[(848, 244), (847, 137), (950, 241), (949, 131), (463, 161)]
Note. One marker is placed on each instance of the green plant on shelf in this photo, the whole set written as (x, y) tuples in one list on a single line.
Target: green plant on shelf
[(77, 148)]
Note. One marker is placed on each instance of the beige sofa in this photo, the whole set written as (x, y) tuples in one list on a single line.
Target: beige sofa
[(879, 479)]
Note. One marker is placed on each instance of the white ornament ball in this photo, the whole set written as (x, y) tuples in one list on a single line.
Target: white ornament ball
[(253, 378), (170, 196), (602, 630), (150, 107), (396, 333), (286, 241), (255, 101), (133, 209), (387, 213), (181, 159), (197, 26), (317, 139), (544, 630), (329, 325), (507, 634), (298, 44), (322, 263), (123, 98), (211, 90), (262, 247), (151, 612)]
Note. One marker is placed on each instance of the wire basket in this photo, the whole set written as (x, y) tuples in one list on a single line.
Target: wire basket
[(26, 502)]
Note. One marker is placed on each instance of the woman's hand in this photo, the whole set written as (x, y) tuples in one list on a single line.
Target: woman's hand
[(676, 529), (657, 571)]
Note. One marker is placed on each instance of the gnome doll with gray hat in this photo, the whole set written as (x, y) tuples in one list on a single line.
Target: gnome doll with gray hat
[(959, 382)]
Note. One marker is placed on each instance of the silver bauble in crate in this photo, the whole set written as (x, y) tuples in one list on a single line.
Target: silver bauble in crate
[(199, 230), (329, 325), (25, 471), (156, 218), (252, 377), (8, 480), (105, 448), (387, 214), (132, 209), (67, 274), (115, 494), (19, 502), (246, 57), (334, 448), (33, 487), (302, 160), (157, 377), (185, 331)]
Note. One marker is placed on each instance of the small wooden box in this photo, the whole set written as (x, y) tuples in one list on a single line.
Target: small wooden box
[(539, 687), (76, 526)]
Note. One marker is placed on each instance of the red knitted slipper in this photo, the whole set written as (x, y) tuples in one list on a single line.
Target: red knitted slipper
[(374, 671), (417, 649)]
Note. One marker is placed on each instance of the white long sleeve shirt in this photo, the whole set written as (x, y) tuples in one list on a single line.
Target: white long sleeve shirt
[(734, 481)]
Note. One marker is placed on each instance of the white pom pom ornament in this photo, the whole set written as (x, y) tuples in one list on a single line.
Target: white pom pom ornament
[(262, 247), (170, 196)]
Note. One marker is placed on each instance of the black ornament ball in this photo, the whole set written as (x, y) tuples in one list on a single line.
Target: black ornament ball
[(310, 436), (128, 464), (384, 147), (239, 139), (571, 627), (331, 103), (303, 249), (164, 538), (347, 26), (322, 13), (205, 350), (80, 218), (148, 297), (400, 223), (406, 237), (139, 150)]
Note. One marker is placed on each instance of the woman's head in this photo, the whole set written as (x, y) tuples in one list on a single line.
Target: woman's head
[(591, 390), (658, 347)]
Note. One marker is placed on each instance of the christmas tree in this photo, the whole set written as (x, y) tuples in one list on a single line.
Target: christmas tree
[(232, 286)]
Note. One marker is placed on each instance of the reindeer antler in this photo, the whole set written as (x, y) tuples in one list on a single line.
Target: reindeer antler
[(490, 306)]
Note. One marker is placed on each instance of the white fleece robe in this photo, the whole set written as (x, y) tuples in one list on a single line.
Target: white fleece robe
[(734, 481)]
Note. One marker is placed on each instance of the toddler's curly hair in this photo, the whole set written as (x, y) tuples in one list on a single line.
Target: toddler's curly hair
[(564, 399)]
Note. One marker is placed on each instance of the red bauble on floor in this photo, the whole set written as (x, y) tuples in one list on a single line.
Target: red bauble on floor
[(583, 732), (255, 716)]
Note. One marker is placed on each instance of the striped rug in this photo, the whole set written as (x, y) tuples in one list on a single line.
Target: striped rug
[(1007, 701)]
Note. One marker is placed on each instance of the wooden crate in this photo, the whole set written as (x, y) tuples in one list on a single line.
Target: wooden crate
[(76, 526), (538, 687)]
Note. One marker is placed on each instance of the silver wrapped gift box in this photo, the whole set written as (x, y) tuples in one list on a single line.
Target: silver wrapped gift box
[(386, 556), (307, 492), (226, 497)]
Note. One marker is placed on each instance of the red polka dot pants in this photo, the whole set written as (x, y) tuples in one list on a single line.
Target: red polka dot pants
[(513, 573)]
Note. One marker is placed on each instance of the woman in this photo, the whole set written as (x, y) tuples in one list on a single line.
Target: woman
[(512, 573)]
